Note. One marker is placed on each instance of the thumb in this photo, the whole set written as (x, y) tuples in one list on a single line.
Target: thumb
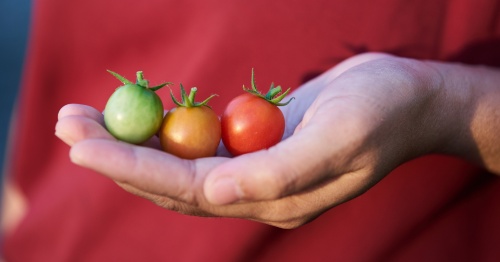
[(289, 167)]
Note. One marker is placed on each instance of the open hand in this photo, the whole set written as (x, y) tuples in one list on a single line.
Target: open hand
[(345, 131)]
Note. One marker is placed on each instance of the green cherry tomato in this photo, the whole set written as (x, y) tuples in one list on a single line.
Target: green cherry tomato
[(190, 130), (134, 112)]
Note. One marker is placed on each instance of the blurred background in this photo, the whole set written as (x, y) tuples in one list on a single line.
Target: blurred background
[(14, 21)]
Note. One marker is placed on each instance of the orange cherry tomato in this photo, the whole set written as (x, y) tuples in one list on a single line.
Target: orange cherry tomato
[(191, 130)]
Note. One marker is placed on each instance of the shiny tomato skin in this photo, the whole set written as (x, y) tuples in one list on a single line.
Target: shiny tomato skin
[(133, 114), (190, 132), (250, 123)]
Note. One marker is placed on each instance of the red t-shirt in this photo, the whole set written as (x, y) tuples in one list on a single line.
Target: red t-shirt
[(435, 208)]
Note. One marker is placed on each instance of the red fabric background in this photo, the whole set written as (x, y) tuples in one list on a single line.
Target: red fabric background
[(432, 209)]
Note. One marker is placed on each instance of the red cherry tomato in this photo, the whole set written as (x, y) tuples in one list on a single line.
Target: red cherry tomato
[(253, 121)]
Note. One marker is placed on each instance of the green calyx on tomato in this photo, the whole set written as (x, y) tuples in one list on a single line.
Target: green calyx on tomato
[(273, 96), (140, 81), (188, 100)]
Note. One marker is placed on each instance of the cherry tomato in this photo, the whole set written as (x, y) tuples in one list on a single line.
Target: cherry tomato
[(191, 130), (134, 112), (253, 121)]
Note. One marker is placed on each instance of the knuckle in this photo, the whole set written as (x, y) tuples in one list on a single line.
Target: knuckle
[(285, 214)]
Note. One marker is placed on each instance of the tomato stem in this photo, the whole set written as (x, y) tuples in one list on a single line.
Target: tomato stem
[(189, 100), (254, 86), (140, 80), (192, 94), (272, 95)]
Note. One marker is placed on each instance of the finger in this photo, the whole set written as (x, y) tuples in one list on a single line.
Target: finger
[(147, 169), (159, 177), (77, 122), (74, 128), (81, 110), (177, 184)]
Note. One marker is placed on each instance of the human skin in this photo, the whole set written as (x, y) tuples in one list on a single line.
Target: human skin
[(373, 111)]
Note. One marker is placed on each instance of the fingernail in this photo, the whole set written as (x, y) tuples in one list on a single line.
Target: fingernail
[(224, 191)]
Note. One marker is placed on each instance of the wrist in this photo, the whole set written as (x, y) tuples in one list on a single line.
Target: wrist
[(469, 116)]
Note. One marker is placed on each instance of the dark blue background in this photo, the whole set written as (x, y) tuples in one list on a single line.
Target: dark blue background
[(14, 23)]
